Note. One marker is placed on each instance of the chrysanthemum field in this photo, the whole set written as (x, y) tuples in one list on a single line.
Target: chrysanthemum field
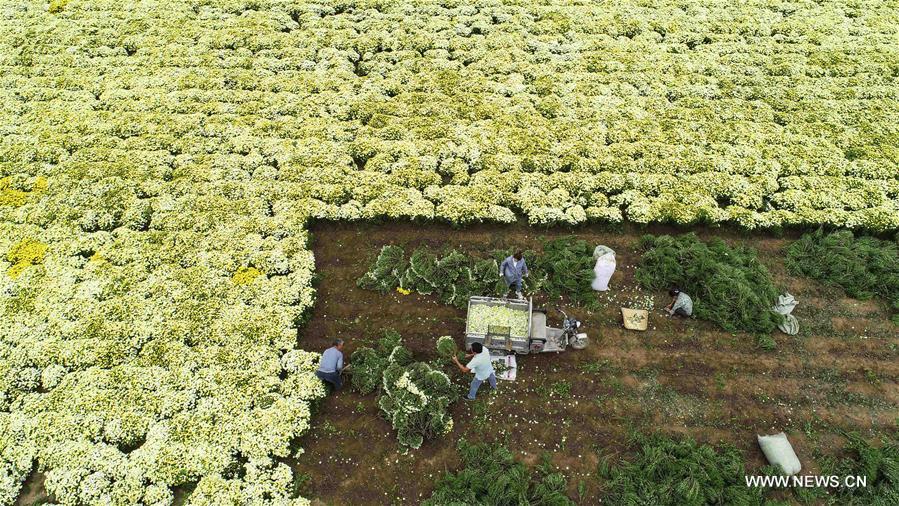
[(160, 162)]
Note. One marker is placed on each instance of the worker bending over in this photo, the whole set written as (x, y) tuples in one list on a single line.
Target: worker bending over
[(512, 270), (331, 365), (681, 305), (481, 366)]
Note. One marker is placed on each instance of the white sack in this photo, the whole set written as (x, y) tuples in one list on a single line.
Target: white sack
[(779, 451), (604, 268)]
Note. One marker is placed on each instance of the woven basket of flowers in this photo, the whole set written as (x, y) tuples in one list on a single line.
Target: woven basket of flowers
[(636, 314), (635, 319)]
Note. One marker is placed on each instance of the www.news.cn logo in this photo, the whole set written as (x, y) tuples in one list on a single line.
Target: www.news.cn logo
[(811, 481)]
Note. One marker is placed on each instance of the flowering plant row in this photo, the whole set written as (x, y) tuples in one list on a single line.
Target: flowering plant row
[(558, 112)]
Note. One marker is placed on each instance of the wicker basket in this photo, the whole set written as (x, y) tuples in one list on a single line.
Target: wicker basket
[(635, 319)]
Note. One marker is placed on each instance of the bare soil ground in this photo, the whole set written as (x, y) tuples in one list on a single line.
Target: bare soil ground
[(684, 377)]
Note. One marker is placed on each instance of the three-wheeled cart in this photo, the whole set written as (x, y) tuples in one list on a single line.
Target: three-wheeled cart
[(534, 337)]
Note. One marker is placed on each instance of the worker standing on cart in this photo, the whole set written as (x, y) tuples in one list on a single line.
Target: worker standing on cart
[(482, 367), (512, 270)]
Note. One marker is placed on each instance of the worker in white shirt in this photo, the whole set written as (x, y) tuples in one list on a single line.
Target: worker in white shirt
[(482, 367)]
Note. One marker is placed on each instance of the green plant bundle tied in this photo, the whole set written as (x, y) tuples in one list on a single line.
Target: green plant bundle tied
[(491, 475), (862, 266), (729, 286), (369, 364), (446, 347), (565, 267), (415, 399), (453, 277), (387, 271), (673, 472)]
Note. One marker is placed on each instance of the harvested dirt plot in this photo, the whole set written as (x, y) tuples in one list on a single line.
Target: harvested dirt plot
[(679, 377)]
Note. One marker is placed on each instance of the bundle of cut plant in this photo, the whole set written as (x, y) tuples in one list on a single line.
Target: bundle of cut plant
[(415, 399), (491, 475), (369, 363), (452, 276), (387, 271), (728, 285), (877, 462), (677, 472), (564, 267), (862, 266), (446, 347), (413, 396)]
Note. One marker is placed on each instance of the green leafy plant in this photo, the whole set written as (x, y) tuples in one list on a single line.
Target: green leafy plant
[(415, 399), (453, 276), (565, 267), (673, 472), (301, 482), (729, 286), (446, 347), (862, 266), (413, 396), (561, 389), (879, 466), (765, 342), (387, 271), (491, 475), (369, 363)]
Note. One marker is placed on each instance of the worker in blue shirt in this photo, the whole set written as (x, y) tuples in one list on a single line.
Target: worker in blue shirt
[(331, 365), (512, 270)]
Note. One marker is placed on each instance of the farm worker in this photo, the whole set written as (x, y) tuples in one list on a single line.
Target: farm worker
[(481, 366), (331, 365), (681, 305), (512, 270)]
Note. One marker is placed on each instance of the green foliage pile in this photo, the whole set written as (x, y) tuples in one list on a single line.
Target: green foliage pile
[(386, 272), (369, 364), (491, 476), (452, 276), (413, 396), (565, 267), (879, 464), (729, 286), (415, 399), (862, 266), (679, 473)]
